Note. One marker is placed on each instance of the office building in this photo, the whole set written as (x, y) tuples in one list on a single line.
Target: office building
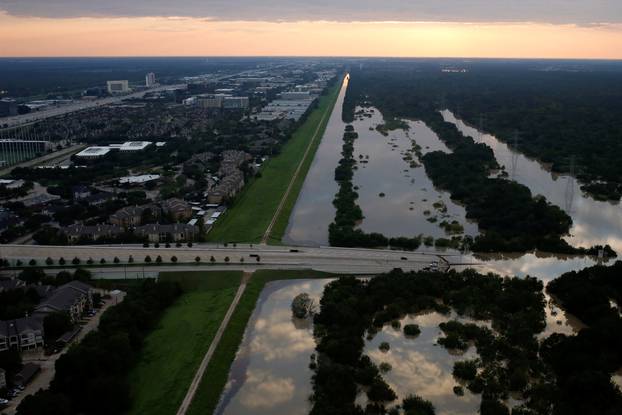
[(118, 87)]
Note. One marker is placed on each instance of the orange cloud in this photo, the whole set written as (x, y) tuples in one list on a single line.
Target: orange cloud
[(160, 36)]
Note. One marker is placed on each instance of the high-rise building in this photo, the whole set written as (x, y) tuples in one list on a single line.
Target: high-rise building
[(118, 87), (150, 80)]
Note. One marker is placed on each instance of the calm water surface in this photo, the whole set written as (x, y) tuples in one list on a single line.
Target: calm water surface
[(594, 222), (314, 210)]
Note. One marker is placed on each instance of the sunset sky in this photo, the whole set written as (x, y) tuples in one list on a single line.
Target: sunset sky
[(425, 28)]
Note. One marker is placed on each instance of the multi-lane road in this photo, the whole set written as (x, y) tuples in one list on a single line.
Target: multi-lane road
[(245, 257), (23, 119)]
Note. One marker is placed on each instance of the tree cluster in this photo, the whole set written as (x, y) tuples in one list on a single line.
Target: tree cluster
[(91, 378)]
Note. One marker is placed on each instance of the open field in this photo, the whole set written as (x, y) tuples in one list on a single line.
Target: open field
[(173, 351), (217, 372), (254, 209)]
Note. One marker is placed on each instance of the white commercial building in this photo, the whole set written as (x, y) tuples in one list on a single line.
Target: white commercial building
[(139, 179), (118, 87), (93, 152), (134, 145)]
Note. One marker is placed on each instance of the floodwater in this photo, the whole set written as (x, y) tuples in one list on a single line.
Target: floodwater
[(594, 222), (270, 374), (396, 196), (314, 210), (421, 366)]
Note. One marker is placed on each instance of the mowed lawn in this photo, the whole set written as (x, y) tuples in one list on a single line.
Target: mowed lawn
[(255, 207), (217, 373), (173, 351)]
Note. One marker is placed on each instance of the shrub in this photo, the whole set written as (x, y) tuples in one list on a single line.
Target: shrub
[(465, 370), (61, 261), (102, 261), (49, 261), (146, 245), (130, 259), (89, 261), (412, 330), (116, 260), (158, 259), (147, 259), (197, 259), (178, 244), (156, 245), (167, 245), (227, 259), (414, 404), (384, 346), (212, 259), (75, 261), (174, 259), (189, 244), (32, 262)]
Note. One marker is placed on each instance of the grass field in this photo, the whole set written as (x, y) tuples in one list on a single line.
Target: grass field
[(173, 351), (217, 372), (254, 209)]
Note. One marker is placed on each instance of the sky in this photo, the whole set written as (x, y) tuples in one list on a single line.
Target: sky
[(405, 28)]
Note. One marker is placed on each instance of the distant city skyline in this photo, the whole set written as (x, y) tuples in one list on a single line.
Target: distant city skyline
[(424, 28)]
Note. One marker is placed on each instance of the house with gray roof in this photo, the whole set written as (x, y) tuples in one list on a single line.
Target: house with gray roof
[(24, 333), (74, 298)]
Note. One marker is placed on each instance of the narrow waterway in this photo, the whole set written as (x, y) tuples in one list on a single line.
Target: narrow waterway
[(314, 210), (594, 222)]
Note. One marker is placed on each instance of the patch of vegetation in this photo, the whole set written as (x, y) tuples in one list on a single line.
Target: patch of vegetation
[(412, 330), (172, 352)]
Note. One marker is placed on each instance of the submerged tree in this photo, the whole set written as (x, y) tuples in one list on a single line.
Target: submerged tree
[(302, 305)]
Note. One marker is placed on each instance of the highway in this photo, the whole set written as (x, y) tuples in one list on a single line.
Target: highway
[(328, 259), (23, 119)]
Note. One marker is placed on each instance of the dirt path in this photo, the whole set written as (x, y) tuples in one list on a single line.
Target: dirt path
[(196, 381)]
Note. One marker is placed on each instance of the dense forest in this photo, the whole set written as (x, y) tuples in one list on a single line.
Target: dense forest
[(584, 363), (563, 115), (510, 218), (91, 378)]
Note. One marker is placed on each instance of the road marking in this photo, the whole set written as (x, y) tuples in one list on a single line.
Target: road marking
[(196, 381), (266, 235)]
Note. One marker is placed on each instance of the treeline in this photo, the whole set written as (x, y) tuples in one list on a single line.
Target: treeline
[(91, 378), (352, 307), (584, 363), (510, 218)]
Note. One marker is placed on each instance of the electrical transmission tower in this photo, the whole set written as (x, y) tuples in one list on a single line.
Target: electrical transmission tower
[(570, 186)]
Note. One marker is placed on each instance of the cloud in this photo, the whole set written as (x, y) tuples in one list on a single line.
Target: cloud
[(580, 12)]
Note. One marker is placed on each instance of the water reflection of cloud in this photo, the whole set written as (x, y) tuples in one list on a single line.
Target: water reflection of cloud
[(264, 390), (276, 337)]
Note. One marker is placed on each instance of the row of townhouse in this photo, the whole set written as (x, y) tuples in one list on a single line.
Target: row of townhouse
[(27, 333)]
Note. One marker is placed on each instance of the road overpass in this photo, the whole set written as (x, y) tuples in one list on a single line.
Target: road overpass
[(244, 257)]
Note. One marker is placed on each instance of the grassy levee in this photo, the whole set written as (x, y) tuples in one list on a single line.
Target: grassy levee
[(215, 377), (254, 208), (173, 351)]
